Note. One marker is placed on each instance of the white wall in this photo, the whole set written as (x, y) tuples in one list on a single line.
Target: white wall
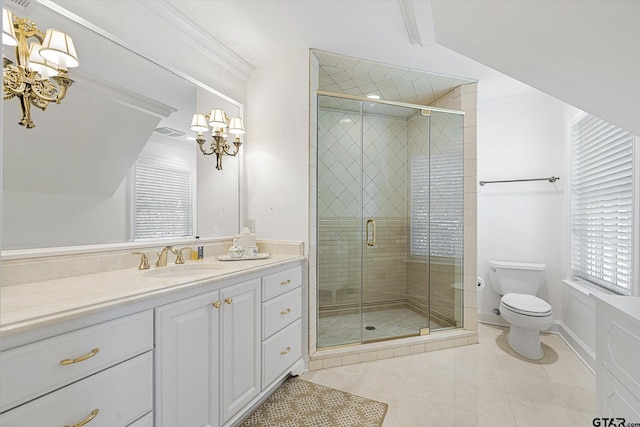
[(522, 137), (277, 148)]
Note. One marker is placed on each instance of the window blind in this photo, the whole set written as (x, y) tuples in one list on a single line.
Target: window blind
[(602, 204), (437, 205), (163, 202)]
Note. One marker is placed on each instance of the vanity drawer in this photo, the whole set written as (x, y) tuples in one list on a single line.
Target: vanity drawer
[(121, 394), (280, 311), (34, 369), (146, 421), (280, 352), (283, 281)]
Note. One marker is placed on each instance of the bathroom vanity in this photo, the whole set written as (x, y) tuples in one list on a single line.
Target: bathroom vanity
[(200, 344), (617, 349)]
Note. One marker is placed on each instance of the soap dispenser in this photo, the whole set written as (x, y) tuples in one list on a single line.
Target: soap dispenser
[(236, 251)]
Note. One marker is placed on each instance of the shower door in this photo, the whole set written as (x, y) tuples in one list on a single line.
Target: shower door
[(363, 222)]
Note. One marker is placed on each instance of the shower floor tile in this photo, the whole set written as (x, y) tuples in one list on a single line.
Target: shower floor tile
[(339, 329)]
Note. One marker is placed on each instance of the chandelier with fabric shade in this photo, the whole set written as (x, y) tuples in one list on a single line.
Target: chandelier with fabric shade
[(219, 123), (38, 74)]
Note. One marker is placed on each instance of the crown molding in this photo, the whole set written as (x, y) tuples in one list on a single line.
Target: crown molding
[(196, 36)]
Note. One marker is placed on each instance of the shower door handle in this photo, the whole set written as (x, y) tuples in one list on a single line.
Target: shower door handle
[(372, 241)]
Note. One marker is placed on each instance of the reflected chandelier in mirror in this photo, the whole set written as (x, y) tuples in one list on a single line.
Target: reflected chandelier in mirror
[(37, 64), (219, 123)]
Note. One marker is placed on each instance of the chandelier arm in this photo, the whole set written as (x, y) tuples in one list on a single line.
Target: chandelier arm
[(201, 146), (14, 80), (225, 149), (45, 92)]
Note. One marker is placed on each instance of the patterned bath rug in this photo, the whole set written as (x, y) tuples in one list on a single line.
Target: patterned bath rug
[(300, 403)]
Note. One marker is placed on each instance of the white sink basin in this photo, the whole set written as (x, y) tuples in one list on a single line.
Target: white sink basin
[(184, 270)]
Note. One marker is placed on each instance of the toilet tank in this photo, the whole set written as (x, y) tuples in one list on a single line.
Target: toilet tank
[(521, 277)]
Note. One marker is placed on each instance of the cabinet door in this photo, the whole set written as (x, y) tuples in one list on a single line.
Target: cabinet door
[(240, 329), (187, 387)]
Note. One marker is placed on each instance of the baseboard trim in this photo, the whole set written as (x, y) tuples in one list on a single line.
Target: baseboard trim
[(578, 346)]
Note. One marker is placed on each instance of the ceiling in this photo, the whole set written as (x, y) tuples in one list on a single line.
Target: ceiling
[(583, 52)]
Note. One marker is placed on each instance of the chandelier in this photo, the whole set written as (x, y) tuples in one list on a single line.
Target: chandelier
[(219, 123), (39, 74)]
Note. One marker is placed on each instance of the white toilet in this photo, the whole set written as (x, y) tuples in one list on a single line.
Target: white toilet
[(519, 283)]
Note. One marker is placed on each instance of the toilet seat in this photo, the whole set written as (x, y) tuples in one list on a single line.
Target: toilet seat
[(527, 305)]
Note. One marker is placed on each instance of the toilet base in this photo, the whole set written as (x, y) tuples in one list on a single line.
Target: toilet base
[(525, 342)]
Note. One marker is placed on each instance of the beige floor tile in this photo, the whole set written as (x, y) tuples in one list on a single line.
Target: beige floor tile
[(472, 419), (487, 403), (414, 411), (485, 384)]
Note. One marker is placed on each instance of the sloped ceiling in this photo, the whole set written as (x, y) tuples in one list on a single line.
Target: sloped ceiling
[(585, 53)]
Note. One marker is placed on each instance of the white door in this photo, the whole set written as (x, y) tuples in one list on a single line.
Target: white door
[(187, 360), (240, 329)]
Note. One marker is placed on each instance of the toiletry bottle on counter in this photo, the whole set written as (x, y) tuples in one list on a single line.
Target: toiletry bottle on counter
[(200, 253), (194, 249)]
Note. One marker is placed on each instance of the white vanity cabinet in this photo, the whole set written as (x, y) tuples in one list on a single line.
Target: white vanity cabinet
[(617, 350), (101, 374), (208, 356), (203, 353), (282, 324), (187, 344), (240, 346)]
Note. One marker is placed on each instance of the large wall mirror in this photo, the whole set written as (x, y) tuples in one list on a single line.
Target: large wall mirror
[(72, 180)]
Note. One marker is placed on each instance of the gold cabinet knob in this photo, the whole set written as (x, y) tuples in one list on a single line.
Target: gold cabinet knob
[(87, 420), (287, 311), (81, 358), (216, 304), (283, 352), (228, 300)]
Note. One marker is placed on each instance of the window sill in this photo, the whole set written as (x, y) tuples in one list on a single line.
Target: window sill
[(587, 288)]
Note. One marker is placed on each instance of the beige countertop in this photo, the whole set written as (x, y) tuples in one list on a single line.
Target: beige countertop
[(32, 305), (627, 305)]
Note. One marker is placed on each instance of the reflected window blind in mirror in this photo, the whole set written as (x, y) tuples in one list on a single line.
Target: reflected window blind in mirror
[(163, 201)]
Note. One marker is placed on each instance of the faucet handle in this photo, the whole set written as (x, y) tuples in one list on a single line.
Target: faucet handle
[(179, 257), (144, 261)]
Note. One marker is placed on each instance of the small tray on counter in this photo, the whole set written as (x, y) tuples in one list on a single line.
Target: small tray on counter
[(244, 258)]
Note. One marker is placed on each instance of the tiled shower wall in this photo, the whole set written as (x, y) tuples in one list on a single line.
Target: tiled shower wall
[(390, 275), (462, 98), (342, 187)]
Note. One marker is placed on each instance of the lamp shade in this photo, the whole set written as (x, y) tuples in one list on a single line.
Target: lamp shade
[(38, 63), (235, 126), (199, 123), (8, 30), (58, 48), (217, 118)]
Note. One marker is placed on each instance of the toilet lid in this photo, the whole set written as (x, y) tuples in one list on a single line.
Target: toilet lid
[(526, 304)]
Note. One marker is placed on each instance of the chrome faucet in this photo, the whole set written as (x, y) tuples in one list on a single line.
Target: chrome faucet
[(162, 256)]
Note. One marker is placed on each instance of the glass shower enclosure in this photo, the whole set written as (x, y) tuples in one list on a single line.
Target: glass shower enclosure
[(390, 220)]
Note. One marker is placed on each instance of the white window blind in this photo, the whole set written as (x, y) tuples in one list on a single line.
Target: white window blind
[(602, 204), (437, 205), (163, 202)]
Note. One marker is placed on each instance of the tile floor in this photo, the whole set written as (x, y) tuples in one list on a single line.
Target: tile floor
[(338, 329), (486, 384)]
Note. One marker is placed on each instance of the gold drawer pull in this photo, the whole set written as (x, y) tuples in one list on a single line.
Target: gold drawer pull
[(216, 304), (286, 282), (286, 351), (228, 300), (87, 420), (80, 359), (287, 311)]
